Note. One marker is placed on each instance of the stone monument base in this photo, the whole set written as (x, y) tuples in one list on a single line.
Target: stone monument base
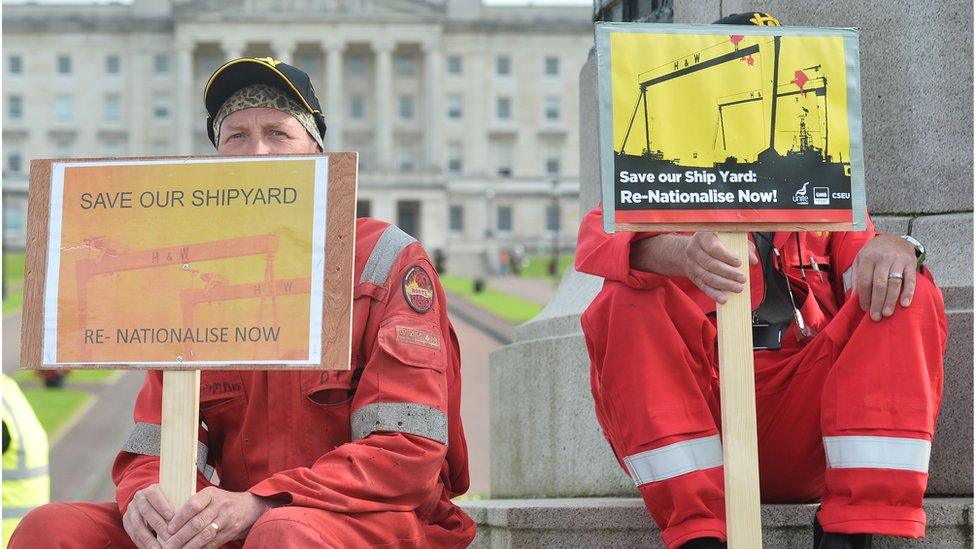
[(623, 522)]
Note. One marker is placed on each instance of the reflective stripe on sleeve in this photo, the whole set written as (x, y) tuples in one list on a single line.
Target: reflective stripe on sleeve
[(850, 452), (675, 459), (409, 418), (146, 438), (384, 255)]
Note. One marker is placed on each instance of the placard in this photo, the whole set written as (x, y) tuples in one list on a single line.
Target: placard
[(191, 263), (730, 125)]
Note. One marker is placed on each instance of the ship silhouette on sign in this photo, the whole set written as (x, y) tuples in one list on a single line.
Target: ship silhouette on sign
[(807, 160)]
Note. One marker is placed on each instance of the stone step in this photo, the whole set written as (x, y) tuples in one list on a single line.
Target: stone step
[(623, 522)]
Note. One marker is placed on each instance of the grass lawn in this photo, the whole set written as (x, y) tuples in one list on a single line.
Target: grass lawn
[(14, 275), (55, 407), (538, 266), (508, 307), (92, 377)]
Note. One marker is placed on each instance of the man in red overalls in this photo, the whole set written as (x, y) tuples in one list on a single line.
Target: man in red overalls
[(360, 458), (850, 332)]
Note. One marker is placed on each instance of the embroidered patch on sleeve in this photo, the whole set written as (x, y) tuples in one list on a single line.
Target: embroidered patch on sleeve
[(418, 289), (416, 336)]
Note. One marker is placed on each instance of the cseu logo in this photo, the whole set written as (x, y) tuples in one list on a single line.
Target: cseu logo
[(800, 197)]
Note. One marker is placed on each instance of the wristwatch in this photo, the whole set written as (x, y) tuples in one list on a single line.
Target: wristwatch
[(919, 251)]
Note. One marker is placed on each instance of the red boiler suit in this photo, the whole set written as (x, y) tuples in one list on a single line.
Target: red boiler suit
[(845, 415), (365, 457)]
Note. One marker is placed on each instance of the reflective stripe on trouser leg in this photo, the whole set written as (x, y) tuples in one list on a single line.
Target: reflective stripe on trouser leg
[(409, 418), (146, 438), (905, 454), (675, 459)]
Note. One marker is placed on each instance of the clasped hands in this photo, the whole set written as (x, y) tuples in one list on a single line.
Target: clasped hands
[(210, 518), (884, 270)]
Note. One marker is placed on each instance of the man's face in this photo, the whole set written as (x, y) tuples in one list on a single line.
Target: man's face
[(263, 131)]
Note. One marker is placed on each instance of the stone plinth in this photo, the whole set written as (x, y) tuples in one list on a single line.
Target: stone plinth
[(623, 522)]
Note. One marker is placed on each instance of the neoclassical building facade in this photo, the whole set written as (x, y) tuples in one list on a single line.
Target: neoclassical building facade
[(465, 116)]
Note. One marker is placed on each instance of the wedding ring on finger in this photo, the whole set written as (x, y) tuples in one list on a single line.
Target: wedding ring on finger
[(215, 526), (895, 276)]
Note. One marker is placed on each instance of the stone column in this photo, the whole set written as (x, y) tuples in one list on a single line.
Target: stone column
[(283, 50), (183, 102), (334, 106), (137, 100), (382, 119), (433, 72), (233, 49)]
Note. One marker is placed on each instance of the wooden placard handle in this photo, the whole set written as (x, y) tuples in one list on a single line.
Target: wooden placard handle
[(178, 446), (738, 388)]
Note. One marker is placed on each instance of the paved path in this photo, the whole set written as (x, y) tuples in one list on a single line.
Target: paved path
[(11, 344), (536, 290), (476, 345)]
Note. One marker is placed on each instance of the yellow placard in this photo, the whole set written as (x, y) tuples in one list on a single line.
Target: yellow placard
[(209, 261)]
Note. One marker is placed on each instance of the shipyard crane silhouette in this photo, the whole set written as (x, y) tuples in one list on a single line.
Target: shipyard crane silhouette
[(119, 257), (218, 290), (772, 167)]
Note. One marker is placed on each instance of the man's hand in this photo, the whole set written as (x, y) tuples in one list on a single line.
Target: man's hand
[(213, 517), (713, 267), (884, 270), (147, 516)]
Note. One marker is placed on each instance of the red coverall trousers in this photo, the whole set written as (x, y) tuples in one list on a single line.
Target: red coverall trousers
[(846, 418)]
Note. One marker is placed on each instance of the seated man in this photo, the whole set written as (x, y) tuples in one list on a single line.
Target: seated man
[(365, 457), (850, 332)]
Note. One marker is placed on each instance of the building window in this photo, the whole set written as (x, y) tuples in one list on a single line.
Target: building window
[(308, 62), (208, 64), (113, 65), (454, 65), (506, 154), (161, 107), (357, 64), (15, 107), (406, 160), (63, 147), (114, 147), (503, 65), (553, 108), (363, 208), (113, 107), (503, 109), (552, 218), (405, 65), (161, 64), (552, 168), (552, 66), (13, 217), (15, 64), (64, 64), (504, 219), (64, 108), (406, 107), (357, 107), (456, 218), (455, 107), (455, 162), (15, 162)]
